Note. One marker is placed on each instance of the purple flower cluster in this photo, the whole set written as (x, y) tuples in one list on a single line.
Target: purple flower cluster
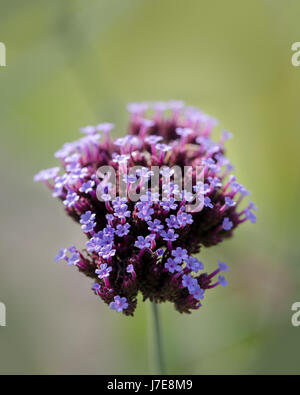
[(147, 245)]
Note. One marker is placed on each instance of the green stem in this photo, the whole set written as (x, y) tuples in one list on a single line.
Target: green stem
[(159, 354)]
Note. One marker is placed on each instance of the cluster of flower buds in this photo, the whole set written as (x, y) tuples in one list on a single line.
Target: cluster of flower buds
[(144, 221)]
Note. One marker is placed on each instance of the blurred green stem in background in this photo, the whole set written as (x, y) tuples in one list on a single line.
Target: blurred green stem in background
[(157, 337)]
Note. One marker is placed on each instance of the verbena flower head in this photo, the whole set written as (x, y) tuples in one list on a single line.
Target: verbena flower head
[(146, 244)]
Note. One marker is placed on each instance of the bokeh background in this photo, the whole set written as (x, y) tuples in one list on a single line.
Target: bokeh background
[(76, 62)]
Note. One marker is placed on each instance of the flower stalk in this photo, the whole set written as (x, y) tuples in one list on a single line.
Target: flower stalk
[(160, 365)]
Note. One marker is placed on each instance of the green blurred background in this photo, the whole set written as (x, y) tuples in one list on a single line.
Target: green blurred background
[(76, 62)]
